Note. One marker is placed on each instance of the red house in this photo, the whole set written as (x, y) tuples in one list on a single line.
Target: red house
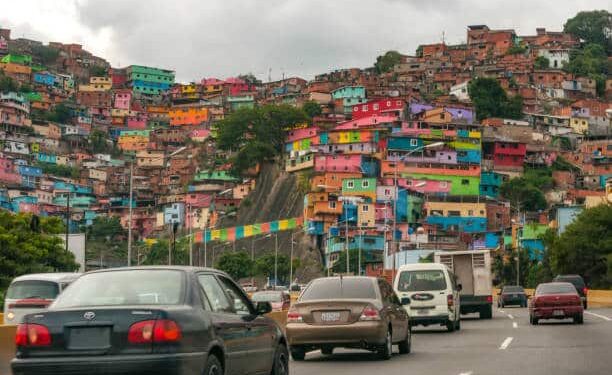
[(387, 106), (509, 155)]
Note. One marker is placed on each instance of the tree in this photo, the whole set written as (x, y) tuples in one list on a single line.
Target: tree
[(59, 170), (264, 266), (593, 27), (339, 265), (30, 245), (99, 141), (521, 193), (386, 62), (516, 50), (541, 63), (592, 62), (238, 265), (258, 133), (250, 79), (312, 108), (585, 247), (60, 113), (490, 100), (97, 71), (7, 84), (106, 228)]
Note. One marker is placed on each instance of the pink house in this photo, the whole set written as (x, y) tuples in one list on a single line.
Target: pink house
[(422, 185), (338, 163), (123, 99), (298, 134), (198, 200), (237, 86), (137, 122), (367, 121), (32, 208), (392, 106), (7, 172)]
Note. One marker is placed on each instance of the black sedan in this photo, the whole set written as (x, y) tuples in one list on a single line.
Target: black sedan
[(151, 320), (512, 295)]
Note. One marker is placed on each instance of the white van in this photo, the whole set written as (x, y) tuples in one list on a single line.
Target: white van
[(33, 293), (433, 293)]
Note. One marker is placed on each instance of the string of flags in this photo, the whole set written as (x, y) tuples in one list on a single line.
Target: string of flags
[(244, 231)]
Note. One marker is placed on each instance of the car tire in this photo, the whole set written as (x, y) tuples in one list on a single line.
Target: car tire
[(450, 325), (486, 312), (297, 353), (533, 321), (458, 324), (406, 346), (584, 305), (281, 361), (213, 366), (579, 319), (327, 350), (501, 305), (386, 350)]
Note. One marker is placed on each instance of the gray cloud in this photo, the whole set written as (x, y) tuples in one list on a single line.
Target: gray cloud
[(299, 37)]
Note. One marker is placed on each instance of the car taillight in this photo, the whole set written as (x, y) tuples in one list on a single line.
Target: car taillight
[(450, 301), (149, 331), (369, 313), (489, 299), (293, 316), (32, 335), (585, 290)]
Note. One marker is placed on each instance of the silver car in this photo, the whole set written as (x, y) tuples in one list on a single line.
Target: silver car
[(33, 293)]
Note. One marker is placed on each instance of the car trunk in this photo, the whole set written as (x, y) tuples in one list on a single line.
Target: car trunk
[(95, 331), (557, 300), (22, 307), (326, 312)]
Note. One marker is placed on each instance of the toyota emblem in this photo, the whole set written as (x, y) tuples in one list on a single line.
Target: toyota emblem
[(89, 315)]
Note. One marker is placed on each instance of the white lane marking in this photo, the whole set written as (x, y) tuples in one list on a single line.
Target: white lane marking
[(510, 316), (599, 316), (466, 373), (501, 311), (514, 325), (506, 343)]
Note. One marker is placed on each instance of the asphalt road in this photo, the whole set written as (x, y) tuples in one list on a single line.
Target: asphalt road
[(506, 344)]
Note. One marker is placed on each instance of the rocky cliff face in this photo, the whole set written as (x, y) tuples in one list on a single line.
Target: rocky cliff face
[(277, 195)]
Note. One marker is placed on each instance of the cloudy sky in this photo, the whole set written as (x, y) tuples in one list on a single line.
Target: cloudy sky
[(205, 38)]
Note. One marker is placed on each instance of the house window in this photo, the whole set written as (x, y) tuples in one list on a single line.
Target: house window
[(387, 191), (350, 184), (454, 213), (465, 182), (414, 142), (375, 107), (365, 208), (443, 184), (365, 184), (470, 212), (332, 205)]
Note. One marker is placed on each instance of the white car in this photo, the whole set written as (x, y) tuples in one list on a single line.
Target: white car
[(433, 293), (33, 293)]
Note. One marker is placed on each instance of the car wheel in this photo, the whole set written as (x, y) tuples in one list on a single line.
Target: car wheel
[(281, 361), (406, 345), (297, 353), (213, 366), (579, 319), (585, 304), (385, 350), (450, 325), (327, 350), (458, 324), (501, 305), (533, 320)]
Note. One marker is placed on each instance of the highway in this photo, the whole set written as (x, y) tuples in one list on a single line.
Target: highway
[(506, 344)]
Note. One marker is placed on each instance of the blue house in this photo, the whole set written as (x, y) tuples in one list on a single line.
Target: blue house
[(458, 223), (490, 182), (44, 78)]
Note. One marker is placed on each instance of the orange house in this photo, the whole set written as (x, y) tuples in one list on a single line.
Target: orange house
[(331, 182), (182, 116)]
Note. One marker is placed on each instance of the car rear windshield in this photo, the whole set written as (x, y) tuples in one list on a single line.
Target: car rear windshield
[(116, 288), (557, 288), (575, 280), (414, 281), (513, 289), (267, 297), (33, 289), (336, 288)]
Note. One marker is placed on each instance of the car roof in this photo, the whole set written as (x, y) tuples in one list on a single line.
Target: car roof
[(189, 269), (557, 283), (52, 276), (423, 266), (578, 277)]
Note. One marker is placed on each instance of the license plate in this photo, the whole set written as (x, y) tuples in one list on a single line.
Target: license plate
[(422, 312), (515, 296), (333, 316), (89, 338), (558, 313)]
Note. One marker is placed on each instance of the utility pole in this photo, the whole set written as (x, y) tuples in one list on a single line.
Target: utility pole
[(359, 249), (346, 238), (275, 259), (291, 261), (518, 249), (205, 243), (129, 249), (67, 219), (189, 214)]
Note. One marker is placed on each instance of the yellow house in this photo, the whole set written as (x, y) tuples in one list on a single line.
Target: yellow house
[(579, 124), (148, 158), (97, 84), (366, 215), (97, 174), (456, 209)]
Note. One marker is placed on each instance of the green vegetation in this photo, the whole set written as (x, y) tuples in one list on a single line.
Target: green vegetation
[(340, 265), (516, 50), (238, 265), (541, 63), (100, 142), (60, 113), (593, 27), (98, 71), (29, 245), (312, 108), (532, 272), (7, 84), (386, 62), (46, 54), (257, 134), (585, 247), (521, 192), (59, 170), (264, 266), (592, 62), (490, 100), (250, 79)]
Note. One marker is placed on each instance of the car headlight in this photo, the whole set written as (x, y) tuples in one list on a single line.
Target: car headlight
[(10, 316)]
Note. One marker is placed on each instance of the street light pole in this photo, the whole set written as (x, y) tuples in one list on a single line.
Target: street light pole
[(129, 249), (291, 261), (275, 259), (189, 213), (359, 249), (346, 239)]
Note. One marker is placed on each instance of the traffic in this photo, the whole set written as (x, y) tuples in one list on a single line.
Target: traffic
[(189, 320)]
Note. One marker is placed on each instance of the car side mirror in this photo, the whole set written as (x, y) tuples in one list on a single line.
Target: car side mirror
[(459, 287), (405, 301), (263, 308)]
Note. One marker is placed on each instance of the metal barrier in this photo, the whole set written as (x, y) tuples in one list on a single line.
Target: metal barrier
[(7, 347)]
